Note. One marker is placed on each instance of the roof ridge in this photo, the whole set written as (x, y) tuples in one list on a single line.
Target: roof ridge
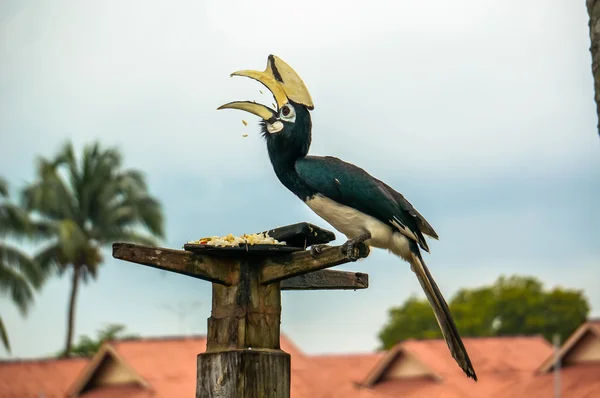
[(159, 338), (512, 336), (347, 354), (11, 361)]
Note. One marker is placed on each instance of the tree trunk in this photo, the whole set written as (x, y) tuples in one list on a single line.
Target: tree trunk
[(593, 8), (72, 300)]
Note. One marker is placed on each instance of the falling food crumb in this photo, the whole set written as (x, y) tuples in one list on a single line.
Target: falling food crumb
[(260, 91), (244, 135), (273, 105), (245, 123)]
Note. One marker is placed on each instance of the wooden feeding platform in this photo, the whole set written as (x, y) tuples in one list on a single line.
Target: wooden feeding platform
[(243, 358)]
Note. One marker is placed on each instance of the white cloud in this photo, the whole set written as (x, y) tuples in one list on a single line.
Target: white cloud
[(434, 88)]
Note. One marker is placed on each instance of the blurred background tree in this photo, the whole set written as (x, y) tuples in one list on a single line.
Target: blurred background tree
[(88, 203), (20, 275), (87, 346), (515, 305)]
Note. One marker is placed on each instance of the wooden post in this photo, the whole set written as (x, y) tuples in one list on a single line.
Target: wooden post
[(243, 358)]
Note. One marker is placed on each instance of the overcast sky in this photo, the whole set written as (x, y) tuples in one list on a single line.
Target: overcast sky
[(480, 112)]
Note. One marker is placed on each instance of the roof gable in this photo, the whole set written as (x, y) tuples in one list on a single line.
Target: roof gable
[(106, 368), (582, 346), (406, 366), (399, 363)]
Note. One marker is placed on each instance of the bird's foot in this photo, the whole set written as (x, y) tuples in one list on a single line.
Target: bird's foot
[(317, 249), (352, 247)]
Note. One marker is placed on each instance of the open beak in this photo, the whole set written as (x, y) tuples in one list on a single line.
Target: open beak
[(260, 110), (282, 81)]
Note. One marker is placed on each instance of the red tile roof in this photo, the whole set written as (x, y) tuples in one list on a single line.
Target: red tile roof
[(167, 364), (179, 377), (29, 378), (506, 367), (500, 363), (123, 390), (580, 381), (340, 372), (488, 354)]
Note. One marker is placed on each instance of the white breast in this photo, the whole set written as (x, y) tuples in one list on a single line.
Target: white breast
[(353, 223)]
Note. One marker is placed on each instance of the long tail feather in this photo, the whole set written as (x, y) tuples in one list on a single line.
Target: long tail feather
[(443, 316)]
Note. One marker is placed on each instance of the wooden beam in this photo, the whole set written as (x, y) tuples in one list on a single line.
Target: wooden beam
[(278, 268), (327, 279), (220, 270)]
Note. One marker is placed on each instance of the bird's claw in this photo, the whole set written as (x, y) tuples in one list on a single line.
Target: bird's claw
[(351, 248), (316, 250)]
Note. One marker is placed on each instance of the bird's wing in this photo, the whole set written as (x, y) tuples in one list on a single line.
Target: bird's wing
[(352, 186)]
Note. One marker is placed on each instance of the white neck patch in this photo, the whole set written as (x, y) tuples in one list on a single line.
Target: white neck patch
[(275, 127)]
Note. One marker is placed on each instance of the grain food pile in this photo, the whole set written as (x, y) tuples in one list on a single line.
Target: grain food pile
[(234, 241)]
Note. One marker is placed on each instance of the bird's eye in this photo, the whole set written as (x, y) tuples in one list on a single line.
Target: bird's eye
[(287, 113)]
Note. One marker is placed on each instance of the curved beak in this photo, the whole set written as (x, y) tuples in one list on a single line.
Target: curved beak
[(260, 110), (282, 81)]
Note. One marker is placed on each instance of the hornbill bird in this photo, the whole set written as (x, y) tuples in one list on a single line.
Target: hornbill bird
[(355, 203)]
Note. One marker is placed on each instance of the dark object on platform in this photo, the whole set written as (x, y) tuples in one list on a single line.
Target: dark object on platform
[(301, 235), (297, 237), (260, 250)]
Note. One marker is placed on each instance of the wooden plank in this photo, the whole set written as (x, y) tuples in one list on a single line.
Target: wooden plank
[(275, 269), (224, 271), (327, 279), (246, 373), (301, 235)]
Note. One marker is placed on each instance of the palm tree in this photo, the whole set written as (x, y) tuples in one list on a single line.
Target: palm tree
[(19, 273), (87, 205)]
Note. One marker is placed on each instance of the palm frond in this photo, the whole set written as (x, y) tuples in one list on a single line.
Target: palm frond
[(134, 178), (17, 223), (3, 187), (129, 236), (14, 221), (125, 203), (16, 285), (4, 336), (41, 230), (51, 259), (66, 157), (133, 211), (14, 258), (50, 195)]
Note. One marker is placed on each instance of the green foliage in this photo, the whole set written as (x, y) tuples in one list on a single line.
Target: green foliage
[(85, 204), (414, 318), (516, 305), (87, 346), (20, 275)]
